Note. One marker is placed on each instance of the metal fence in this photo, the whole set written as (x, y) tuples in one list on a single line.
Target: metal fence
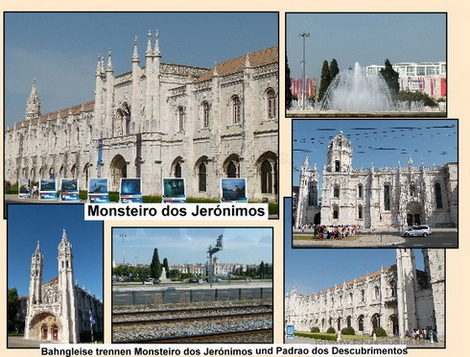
[(190, 296)]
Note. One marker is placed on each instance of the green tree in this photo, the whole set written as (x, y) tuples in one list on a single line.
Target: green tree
[(13, 307), (166, 266), (409, 97), (262, 270), (288, 86), (334, 69), (391, 77), (155, 265), (324, 80)]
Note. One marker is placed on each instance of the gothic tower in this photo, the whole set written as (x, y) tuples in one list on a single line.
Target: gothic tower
[(67, 293), (33, 104), (308, 192), (340, 154), (434, 262), (406, 290), (35, 285)]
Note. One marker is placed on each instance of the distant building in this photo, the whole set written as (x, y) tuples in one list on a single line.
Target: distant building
[(310, 87), (425, 77), (59, 310), (397, 298)]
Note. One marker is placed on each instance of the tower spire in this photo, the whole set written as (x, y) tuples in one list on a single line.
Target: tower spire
[(148, 53), (110, 64), (33, 104), (157, 44), (135, 55)]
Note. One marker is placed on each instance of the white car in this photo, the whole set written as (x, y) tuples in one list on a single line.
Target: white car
[(417, 231)]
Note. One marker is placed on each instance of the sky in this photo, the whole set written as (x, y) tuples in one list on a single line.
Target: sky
[(190, 245), (365, 38), (28, 224), (314, 270), (383, 142), (60, 50)]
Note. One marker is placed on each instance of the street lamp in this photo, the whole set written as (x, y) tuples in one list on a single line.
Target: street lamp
[(304, 80), (123, 252)]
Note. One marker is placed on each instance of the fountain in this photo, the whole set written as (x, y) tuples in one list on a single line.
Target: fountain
[(352, 92)]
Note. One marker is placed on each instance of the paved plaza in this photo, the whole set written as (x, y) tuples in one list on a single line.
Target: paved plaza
[(440, 238)]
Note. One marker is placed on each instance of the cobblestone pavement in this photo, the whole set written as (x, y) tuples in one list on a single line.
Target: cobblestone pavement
[(440, 238), (389, 341)]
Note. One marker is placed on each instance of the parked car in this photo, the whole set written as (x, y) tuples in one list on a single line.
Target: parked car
[(417, 231), (193, 281), (150, 281)]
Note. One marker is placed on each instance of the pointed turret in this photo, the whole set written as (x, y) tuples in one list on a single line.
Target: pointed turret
[(109, 67), (33, 104), (135, 55), (67, 290), (148, 52), (35, 287), (157, 45), (247, 60)]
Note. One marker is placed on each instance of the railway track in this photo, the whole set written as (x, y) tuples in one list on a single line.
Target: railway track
[(149, 316), (265, 335), (249, 323)]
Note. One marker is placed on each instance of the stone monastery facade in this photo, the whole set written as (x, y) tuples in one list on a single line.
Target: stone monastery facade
[(160, 120), (397, 298), (59, 310), (376, 197)]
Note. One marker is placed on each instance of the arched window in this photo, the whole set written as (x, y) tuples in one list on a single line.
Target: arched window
[(360, 323), (337, 166), (236, 110), (232, 170), (363, 295), (266, 177), (180, 119), (205, 114), (202, 172), (412, 190), (438, 192), (271, 103), (377, 293), (336, 191), (359, 212), (375, 321), (387, 198), (177, 172), (360, 190), (335, 212)]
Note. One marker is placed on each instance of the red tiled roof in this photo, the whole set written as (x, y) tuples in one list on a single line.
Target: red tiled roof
[(62, 113), (257, 59), (362, 278)]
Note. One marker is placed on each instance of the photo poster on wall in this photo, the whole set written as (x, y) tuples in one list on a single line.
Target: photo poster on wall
[(98, 190), (69, 190), (174, 190), (48, 189), (130, 190), (24, 188), (233, 190)]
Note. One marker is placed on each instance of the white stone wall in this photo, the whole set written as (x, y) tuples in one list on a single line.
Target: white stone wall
[(152, 96), (373, 180)]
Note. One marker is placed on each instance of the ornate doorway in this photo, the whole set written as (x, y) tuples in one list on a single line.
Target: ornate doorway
[(118, 171), (414, 213)]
